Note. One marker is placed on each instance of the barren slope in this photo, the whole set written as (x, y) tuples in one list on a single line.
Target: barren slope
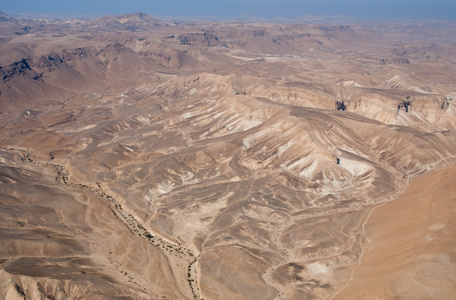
[(410, 244), (61, 240), (239, 161)]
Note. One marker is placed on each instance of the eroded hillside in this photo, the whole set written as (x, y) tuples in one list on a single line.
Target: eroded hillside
[(215, 161)]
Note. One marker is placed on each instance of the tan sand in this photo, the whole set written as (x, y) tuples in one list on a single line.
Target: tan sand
[(411, 245)]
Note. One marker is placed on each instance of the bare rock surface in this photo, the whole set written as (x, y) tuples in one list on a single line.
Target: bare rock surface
[(63, 241), (145, 159)]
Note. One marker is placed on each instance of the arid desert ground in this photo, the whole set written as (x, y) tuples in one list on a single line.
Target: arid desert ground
[(149, 159)]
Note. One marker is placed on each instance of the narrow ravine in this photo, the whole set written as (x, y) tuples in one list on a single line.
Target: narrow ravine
[(267, 276), (165, 246)]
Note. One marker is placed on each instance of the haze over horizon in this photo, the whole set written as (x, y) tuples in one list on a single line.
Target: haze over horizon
[(240, 10)]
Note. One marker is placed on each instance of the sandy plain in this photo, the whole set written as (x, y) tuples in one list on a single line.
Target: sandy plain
[(409, 249)]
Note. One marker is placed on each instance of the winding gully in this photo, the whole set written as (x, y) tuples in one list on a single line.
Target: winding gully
[(167, 247)]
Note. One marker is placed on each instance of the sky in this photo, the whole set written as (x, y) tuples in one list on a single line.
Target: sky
[(238, 9)]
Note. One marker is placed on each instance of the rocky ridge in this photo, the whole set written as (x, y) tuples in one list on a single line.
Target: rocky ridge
[(243, 160)]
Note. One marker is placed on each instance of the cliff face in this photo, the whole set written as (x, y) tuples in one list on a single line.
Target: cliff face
[(19, 68)]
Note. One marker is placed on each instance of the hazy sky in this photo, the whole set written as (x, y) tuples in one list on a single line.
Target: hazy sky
[(236, 9)]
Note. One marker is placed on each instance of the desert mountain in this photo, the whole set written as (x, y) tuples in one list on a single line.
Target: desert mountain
[(129, 22), (144, 159)]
